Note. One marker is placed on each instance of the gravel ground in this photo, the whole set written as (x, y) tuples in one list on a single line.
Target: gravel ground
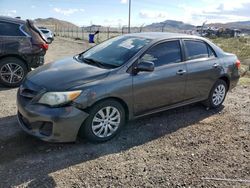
[(176, 148)]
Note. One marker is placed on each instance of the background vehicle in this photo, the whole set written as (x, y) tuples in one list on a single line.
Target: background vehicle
[(22, 47), (123, 78), (48, 33)]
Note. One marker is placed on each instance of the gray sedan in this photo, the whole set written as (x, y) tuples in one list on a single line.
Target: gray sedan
[(94, 93)]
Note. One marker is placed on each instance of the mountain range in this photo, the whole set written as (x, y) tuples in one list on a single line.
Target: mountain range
[(53, 22), (168, 25)]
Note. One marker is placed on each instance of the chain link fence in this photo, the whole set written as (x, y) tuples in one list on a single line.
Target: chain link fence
[(82, 33)]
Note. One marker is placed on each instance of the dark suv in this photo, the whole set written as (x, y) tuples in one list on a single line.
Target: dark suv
[(22, 47)]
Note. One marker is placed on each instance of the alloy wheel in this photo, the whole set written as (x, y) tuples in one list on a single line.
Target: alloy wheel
[(11, 73), (106, 121), (219, 94)]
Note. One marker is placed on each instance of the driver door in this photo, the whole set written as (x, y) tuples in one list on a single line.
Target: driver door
[(166, 84)]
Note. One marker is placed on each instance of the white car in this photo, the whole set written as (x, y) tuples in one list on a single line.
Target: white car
[(48, 33)]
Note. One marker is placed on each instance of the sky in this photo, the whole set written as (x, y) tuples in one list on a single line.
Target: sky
[(115, 12)]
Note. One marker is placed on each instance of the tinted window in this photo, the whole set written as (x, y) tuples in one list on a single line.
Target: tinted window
[(10, 29), (25, 29), (196, 49), (164, 53)]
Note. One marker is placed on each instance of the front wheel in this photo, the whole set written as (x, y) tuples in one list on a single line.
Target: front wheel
[(217, 94), (104, 122)]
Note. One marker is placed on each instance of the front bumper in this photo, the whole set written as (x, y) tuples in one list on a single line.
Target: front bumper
[(50, 124)]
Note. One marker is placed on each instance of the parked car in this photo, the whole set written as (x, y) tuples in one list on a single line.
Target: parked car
[(22, 47), (48, 34), (94, 93)]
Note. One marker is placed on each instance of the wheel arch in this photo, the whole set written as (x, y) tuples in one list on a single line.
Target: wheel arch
[(226, 79), (15, 56), (121, 101)]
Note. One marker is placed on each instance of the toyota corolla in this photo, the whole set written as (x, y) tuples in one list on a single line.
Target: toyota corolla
[(94, 93)]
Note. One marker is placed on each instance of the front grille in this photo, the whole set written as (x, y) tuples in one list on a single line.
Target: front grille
[(29, 90), (28, 93)]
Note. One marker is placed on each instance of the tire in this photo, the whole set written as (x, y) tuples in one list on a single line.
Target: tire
[(7, 76), (91, 128), (217, 94)]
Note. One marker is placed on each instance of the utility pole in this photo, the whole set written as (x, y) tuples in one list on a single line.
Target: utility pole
[(202, 27), (129, 14)]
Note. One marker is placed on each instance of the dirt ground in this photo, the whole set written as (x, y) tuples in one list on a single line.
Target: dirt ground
[(183, 147)]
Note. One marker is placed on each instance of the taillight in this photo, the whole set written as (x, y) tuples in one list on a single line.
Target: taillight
[(44, 46), (237, 64)]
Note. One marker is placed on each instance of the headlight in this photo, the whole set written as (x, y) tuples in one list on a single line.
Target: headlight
[(58, 98)]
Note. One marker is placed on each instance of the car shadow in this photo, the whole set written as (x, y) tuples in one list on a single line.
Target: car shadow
[(30, 159), (4, 88)]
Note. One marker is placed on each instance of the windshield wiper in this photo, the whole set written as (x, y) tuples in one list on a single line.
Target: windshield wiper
[(92, 61), (98, 63)]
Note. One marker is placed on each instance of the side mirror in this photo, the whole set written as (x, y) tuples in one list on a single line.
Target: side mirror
[(145, 66)]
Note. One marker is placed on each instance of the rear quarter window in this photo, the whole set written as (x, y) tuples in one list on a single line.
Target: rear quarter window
[(25, 29), (211, 52), (10, 29), (196, 49)]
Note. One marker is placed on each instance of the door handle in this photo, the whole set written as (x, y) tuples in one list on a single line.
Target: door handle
[(215, 65), (181, 72)]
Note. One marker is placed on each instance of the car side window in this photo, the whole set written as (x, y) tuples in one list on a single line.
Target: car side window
[(10, 29), (196, 49), (164, 53)]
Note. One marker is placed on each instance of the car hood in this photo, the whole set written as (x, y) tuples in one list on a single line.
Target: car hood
[(65, 74)]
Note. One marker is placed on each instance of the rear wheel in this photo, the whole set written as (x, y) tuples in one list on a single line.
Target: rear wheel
[(217, 94), (12, 71), (104, 122)]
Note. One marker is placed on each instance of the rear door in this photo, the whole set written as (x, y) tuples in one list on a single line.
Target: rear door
[(13, 40), (166, 84), (203, 68)]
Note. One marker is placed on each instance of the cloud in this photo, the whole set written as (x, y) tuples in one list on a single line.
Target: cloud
[(217, 11), (33, 6), (114, 22), (13, 11), (151, 14), (68, 11), (10, 13), (124, 1)]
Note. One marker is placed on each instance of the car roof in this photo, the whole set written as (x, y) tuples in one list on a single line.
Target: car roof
[(12, 20), (163, 35), (158, 36)]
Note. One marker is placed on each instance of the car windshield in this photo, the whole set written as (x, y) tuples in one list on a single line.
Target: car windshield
[(114, 52)]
